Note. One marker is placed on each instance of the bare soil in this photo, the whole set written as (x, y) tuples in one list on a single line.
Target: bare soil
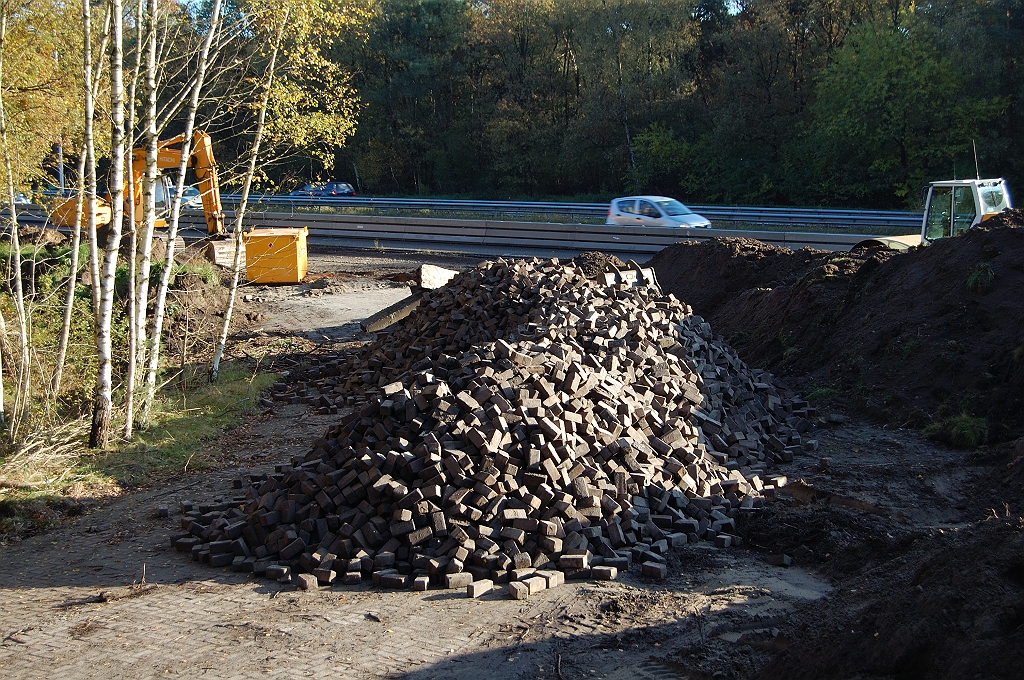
[(908, 558), (929, 572), (909, 339), (877, 512)]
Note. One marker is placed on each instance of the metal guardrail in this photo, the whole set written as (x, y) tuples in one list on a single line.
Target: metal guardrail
[(851, 219), (494, 238), (489, 238)]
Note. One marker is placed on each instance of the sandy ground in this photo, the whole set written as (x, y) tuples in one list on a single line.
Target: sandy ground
[(340, 290)]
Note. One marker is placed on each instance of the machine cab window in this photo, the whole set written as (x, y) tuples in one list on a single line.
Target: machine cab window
[(955, 206)]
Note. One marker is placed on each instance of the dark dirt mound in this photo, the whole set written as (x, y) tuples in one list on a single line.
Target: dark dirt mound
[(593, 263), (710, 274), (932, 613), (942, 604), (31, 234), (912, 338), (1007, 218)]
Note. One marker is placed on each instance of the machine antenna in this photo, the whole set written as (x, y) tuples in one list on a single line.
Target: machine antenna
[(977, 171)]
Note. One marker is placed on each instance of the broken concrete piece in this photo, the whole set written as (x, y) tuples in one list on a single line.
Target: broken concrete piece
[(432, 276), (391, 315)]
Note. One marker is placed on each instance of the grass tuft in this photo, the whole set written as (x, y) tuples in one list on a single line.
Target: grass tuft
[(960, 432), (981, 278), (822, 395)]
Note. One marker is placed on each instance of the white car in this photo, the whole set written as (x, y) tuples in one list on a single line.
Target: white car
[(654, 211)]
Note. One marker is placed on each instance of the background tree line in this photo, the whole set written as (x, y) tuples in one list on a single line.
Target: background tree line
[(801, 102)]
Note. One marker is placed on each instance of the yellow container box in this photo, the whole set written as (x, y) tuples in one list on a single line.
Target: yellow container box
[(276, 255)]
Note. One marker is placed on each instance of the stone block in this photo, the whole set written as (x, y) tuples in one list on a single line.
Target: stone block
[(478, 588), (656, 570), (394, 580), (459, 580), (535, 584), (518, 590), (552, 577), (306, 581), (325, 577), (779, 560)]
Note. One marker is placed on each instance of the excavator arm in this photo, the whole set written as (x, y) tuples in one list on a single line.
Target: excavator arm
[(209, 185), (202, 162), (200, 159)]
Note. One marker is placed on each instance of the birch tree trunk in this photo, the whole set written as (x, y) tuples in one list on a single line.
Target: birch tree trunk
[(21, 396), (137, 307), (100, 433), (236, 263), (91, 92), (148, 225), (69, 298), (86, 179), (172, 230)]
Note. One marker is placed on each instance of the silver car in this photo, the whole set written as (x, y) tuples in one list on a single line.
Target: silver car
[(654, 211)]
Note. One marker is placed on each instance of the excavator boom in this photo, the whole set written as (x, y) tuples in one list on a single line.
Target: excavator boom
[(200, 159)]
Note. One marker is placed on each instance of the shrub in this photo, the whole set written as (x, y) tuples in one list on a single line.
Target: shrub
[(961, 431)]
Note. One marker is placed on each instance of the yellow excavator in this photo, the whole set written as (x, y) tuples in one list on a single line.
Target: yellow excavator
[(951, 208), (271, 255), (200, 159)]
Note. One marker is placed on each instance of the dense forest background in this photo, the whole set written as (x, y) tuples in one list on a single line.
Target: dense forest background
[(771, 102)]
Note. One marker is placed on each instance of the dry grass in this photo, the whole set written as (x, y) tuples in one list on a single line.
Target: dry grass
[(47, 457), (54, 473)]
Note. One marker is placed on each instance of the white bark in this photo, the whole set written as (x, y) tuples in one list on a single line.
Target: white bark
[(148, 225), (137, 306), (86, 179), (236, 263), (21, 395), (69, 298), (175, 211), (91, 92), (103, 406)]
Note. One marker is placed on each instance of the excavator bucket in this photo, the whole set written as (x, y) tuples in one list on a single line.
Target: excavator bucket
[(64, 210)]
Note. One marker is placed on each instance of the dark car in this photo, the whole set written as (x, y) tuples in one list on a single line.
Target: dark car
[(325, 189)]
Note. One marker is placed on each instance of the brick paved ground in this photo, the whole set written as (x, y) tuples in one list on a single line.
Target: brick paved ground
[(200, 621)]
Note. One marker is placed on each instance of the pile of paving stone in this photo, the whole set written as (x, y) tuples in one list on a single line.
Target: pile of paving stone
[(525, 424)]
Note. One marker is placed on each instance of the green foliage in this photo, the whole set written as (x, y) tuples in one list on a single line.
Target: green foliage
[(659, 158), (812, 103), (202, 269), (962, 431), (184, 424), (42, 92), (184, 421), (45, 269), (822, 395), (980, 278), (893, 112)]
